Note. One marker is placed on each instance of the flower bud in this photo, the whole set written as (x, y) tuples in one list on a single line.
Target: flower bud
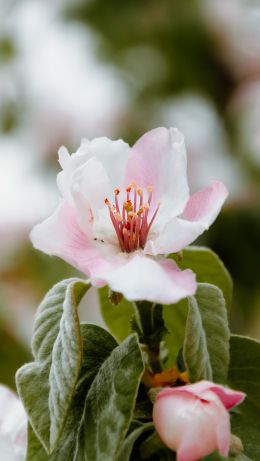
[(193, 420)]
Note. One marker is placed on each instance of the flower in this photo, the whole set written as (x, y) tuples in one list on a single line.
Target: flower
[(13, 427), (193, 420), (124, 209)]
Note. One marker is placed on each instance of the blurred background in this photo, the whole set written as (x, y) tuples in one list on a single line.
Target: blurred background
[(72, 69)]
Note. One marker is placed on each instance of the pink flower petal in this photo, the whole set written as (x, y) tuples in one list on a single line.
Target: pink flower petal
[(139, 277), (190, 425), (228, 397), (13, 424), (158, 159), (200, 212), (60, 235), (205, 205)]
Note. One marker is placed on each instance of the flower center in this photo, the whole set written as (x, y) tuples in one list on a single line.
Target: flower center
[(131, 222)]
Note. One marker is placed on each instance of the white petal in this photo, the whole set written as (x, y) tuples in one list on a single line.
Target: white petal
[(69, 164), (200, 212), (111, 154), (92, 184), (13, 424), (141, 277), (159, 160)]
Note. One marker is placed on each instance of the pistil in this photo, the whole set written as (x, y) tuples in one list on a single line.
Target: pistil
[(131, 223)]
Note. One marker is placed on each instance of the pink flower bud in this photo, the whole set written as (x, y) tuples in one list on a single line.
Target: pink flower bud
[(193, 420)]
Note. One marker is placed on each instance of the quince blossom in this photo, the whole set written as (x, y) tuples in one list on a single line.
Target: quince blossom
[(123, 209), (193, 420), (13, 427)]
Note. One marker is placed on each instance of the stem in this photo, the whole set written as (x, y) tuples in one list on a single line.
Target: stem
[(150, 327)]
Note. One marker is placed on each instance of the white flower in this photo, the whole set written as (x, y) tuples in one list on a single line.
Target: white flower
[(13, 427), (124, 209)]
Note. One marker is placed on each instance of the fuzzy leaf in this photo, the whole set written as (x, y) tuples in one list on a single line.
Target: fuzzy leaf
[(97, 346), (206, 344), (127, 447), (110, 403), (195, 351), (208, 269), (244, 375), (117, 318), (175, 319), (46, 386)]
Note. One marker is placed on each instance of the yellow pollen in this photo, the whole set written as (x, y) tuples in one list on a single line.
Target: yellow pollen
[(128, 206), (149, 189), (139, 191), (140, 211)]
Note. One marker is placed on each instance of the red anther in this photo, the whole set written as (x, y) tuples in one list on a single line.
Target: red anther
[(117, 191)]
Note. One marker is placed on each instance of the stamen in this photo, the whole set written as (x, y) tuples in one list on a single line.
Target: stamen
[(117, 192), (131, 223), (150, 192), (153, 218), (128, 190)]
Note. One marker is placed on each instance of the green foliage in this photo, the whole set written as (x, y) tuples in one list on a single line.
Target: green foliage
[(244, 374), (57, 350), (217, 457), (175, 319), (208, 268), (195, 350), (149, 323), (206, 344), (117, 318), (153, 449), (110, 403), (97, 346), (127, 447)]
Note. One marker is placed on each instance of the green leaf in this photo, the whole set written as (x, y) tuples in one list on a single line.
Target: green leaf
[(117, 318), (244, 374), (110, 403), (149, 323), (218, 457), (175, 317), (46, 386), (152, 448), (97, 346), (206, 344), (127, 447), (208, 268), (195, 350)]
